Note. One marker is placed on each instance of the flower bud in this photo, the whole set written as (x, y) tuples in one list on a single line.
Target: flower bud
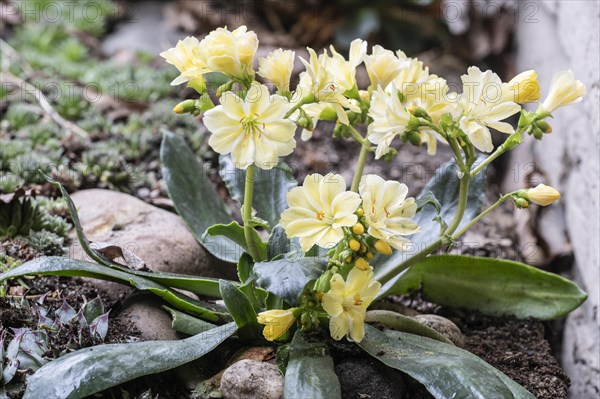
[(369, 255), (360, 212), (277, 322), (564, 90), (523, 88), (358, 229), (414, 138), (544, 126), (542, 195), (354, 245), (419, 112), (185, 107), (521, 203), (363, 248), (383, 247), (277, 67), (362, 264)]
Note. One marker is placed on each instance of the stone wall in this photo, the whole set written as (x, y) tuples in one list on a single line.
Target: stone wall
[(555, 35)]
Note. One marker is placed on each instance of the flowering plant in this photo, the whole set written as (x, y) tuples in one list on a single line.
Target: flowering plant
[(316, 256)]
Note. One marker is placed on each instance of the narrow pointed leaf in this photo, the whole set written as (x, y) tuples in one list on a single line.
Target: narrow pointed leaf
[(241, 309), (445, 370), (491, 286), (310, 372), (58, 266), (91, 370), (183, 322), (194, 196)]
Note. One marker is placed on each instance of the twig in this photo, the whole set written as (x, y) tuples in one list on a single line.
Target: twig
[(41, 99), (10, 52)]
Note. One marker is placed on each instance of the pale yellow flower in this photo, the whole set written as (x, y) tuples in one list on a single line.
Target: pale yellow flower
[(318, 80), (523, 88), (185, 56), (382, 67), (347, 301), (318, 210), (278, 67), (542, 195), (231, 53), (252, 130), (482, 106), (277, 322), (344, 72), (390, 119), (564, 90), (387, 210)]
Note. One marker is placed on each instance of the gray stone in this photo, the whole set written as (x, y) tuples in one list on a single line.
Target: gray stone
[(564, 35), (159, 237), (251, 379), (143, 313), (368, 378), (444, 326)]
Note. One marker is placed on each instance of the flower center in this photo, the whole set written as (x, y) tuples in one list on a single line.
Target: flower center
[(252, 126), (357, 300), (320, 215)]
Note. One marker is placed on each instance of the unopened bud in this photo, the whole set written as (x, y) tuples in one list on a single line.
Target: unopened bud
[(369, 255), (348, 259), (542, 195), (354, 245), (383, 247), (521, 203), (544, 126), (362, 264), (185, 107), (360, 212), (537, 133), (414, 138), (363, 248), (420, 112), (358, 229), (305, 121)]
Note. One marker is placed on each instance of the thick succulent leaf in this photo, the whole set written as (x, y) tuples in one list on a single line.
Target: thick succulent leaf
[(443, 188), (279, 244), (194, 197), (491, 286), (287, 277), (91, 370), (183, 322), (445, 370), (235, 232), (309, 372), (270, 188), (241, 310), (400, 322), (58, 266)]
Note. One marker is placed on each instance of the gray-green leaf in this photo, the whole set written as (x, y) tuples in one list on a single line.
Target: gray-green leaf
[(194, 197), (309, 372), (287, 277), (445, 370), (491, 286), (95, 369)]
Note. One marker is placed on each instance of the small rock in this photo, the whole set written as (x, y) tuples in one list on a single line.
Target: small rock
[(160, 238), (367, 378), (250, 379), (444, 326), (142, 312)]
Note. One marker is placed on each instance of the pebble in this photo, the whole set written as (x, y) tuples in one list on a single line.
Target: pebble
[(251, 379), (443, 326)]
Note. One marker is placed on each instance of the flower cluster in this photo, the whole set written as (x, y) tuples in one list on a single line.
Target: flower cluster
[(403, 101)]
